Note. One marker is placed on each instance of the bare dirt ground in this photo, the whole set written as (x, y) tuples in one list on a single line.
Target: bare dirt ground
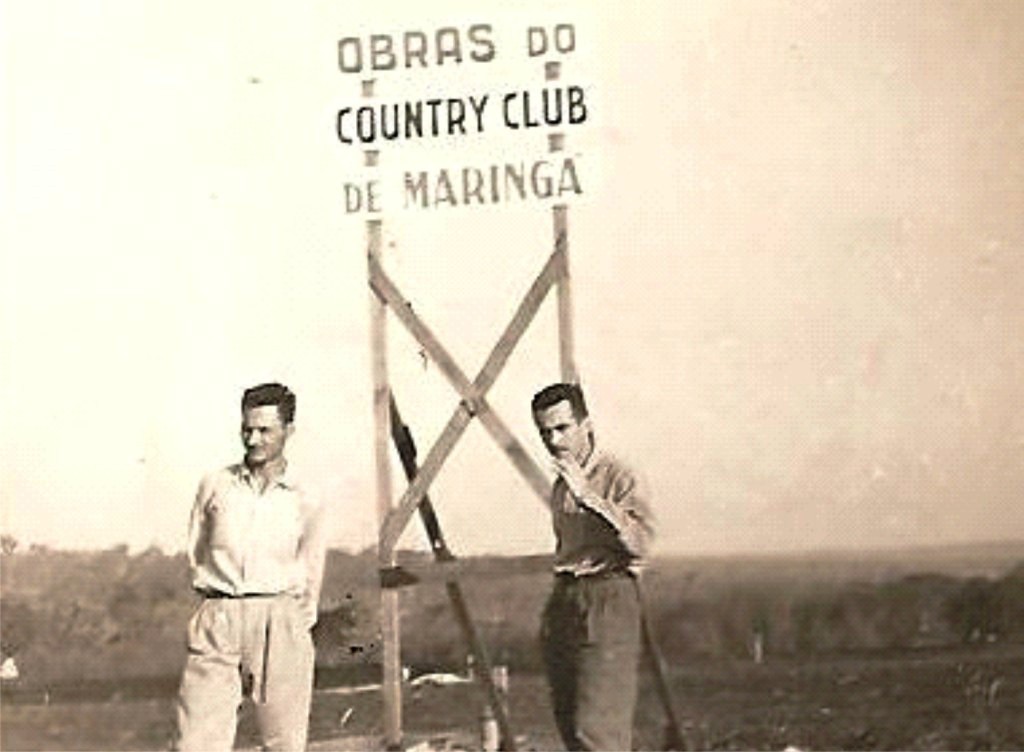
[(951, 699)]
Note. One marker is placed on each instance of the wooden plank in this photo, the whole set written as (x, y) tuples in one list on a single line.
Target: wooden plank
[(391, 685), (402, 308), (381, 389), (473, 402), (498, 356), (406, 446), (399, 517), (534, 476), (402, 438), (520, 321), (416, 572), (566, 340)]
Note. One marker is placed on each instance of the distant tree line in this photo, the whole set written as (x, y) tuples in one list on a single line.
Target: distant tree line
[(915, 611), (66, 616)]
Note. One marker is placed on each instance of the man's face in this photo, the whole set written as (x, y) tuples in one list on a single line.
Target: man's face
[(563, 435), (263, 435)]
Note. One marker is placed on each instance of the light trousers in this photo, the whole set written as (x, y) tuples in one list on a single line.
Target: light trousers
[(257, 645), (591, 640)]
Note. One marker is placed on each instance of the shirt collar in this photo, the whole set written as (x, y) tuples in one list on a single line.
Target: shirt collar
[(284, 479)]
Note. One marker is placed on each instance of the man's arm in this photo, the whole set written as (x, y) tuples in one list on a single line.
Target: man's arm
[(626, 508), (197, 524), (627, 511), (313, 551)]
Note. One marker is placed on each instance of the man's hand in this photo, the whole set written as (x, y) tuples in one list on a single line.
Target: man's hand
[(576, 479), (574, 476), (308, 611)]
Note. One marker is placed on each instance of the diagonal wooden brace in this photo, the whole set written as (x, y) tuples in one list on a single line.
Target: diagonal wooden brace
[(474, 402), (406, 446)]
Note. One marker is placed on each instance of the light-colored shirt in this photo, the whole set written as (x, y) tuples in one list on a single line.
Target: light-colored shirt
[(244, 541), (590, 542)]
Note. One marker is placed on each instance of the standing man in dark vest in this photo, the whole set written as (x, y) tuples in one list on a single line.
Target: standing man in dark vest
[(591, 625)]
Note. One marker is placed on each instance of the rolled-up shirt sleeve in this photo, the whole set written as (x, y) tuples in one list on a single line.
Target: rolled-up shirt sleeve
[(627, 508)]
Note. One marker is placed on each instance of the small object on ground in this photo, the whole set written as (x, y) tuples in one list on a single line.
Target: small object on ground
[(438, 680)]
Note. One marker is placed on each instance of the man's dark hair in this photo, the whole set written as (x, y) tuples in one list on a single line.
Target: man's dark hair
[(271, 394), (555, 393)]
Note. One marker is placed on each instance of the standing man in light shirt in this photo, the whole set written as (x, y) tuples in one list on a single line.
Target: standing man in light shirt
[(256, 551), (590, 631)]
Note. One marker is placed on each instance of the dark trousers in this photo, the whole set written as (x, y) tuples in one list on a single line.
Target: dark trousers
[(591, 641)]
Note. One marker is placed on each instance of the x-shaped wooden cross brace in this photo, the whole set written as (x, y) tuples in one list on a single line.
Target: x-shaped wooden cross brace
[(473, 393)]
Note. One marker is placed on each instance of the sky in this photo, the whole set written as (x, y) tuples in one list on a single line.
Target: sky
[(796, 264)]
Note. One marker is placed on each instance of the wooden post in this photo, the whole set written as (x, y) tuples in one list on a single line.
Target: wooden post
[(566, 345), (389, 618), (392, 666)]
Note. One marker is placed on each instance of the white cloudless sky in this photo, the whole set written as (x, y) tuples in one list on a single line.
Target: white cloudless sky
[(796, 264)]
